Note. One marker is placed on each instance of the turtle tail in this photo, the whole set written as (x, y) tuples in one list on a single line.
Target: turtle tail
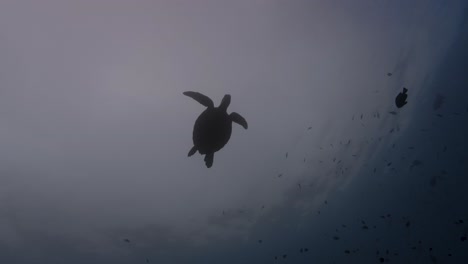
[(209, 160)]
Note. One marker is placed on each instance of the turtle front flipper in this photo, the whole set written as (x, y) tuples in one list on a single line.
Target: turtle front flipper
[(202, 99), (236, 118), (192, 151), (209, 160)]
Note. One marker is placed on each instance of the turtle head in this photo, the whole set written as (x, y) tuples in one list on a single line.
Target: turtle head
[(225, 102)]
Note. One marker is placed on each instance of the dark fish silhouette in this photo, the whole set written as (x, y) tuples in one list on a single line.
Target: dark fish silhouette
[(415, 164), (389, 74), (400, 100), (212, 129), (127, 240), (438, 102)]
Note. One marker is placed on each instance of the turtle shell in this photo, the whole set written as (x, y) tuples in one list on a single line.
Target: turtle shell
[(212, 130)]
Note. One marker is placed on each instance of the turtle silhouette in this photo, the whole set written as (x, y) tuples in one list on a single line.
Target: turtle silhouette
[(212, 129), (400, 100)]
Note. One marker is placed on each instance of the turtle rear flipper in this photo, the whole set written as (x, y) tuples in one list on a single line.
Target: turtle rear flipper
[(201, 98), (236, 118), (209, 160), (192, 151)]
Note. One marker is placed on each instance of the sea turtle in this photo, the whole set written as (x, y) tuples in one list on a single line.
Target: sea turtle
[(400, 100), (213, 127)]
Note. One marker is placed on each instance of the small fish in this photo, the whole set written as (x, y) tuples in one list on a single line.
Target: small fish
[(389, 74), (438, 102), (400, 99), (433, 181), (392, 112), (415, 164)]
